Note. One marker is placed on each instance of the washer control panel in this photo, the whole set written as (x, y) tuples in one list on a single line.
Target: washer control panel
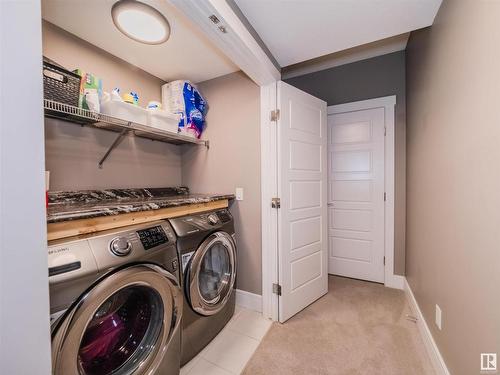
[(152, 237), (120, 246), (93, 253), (213, 219)]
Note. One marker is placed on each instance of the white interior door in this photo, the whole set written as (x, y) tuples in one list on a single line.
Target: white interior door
[(302, 188), (356, 194)]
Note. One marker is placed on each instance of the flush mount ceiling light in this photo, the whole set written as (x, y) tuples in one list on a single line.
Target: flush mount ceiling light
[(140, 22)]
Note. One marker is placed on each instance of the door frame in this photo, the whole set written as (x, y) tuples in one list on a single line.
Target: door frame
[(391, 280), (269, 189)]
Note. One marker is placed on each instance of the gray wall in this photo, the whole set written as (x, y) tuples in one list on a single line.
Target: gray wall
[(72, 152), (368, 79), (233, 128), (453, 215)]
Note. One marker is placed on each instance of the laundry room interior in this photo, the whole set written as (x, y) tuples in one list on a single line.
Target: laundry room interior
[(249, 187)]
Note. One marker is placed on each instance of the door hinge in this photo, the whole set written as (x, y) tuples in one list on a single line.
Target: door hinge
[(385, 196), (275, 203), (277, 289), (385, 131), (275, 115), (384, 261)]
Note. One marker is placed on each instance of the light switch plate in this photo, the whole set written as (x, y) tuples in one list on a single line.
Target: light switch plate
[(239, 193), (438, 317)]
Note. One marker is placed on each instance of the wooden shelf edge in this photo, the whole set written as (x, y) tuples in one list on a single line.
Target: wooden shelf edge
[(73, 228)]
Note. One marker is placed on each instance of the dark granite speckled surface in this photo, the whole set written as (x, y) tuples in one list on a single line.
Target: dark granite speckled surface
[(86, 204)]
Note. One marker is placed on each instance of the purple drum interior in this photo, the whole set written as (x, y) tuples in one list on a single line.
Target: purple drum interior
[(122, 332)]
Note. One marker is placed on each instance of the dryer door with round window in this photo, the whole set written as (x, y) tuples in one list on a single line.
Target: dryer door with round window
[(211, 274), (121, 325)]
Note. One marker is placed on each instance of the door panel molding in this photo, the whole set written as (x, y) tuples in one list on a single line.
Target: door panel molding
[(388, 103), (302, 222)]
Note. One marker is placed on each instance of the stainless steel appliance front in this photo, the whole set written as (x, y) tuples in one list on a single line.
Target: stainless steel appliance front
[(117, 301)]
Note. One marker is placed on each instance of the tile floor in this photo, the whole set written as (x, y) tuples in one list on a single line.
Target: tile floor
[(230, 351)]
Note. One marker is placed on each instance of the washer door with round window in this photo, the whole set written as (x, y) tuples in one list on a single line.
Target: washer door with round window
[(211, 275), (122, 325)]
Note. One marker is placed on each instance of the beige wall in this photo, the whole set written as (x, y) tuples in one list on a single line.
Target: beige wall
[(453, 184), (73, 52), (72, 152), (233, 160)]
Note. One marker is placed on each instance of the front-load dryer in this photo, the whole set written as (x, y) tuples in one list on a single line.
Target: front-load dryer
[(207, 253), (116, 303)]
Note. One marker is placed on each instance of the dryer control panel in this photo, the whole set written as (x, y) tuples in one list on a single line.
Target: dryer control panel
[(191, 224)]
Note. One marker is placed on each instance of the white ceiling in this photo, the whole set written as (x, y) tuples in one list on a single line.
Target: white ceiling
[(300, 30), (186, 55)]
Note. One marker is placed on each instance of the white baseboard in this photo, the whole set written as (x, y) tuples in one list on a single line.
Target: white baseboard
[(249, 300), (395, 281), (432, 349)]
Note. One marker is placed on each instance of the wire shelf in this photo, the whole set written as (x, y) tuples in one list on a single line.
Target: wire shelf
[(81, 116), (85, 117)]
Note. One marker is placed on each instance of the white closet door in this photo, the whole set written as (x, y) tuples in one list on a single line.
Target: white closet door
[(356, 194), (302, 187)]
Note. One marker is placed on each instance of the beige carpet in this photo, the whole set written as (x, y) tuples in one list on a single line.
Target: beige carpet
[(357, 328)]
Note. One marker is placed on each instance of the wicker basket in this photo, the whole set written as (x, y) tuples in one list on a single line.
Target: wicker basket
[(59, 84)]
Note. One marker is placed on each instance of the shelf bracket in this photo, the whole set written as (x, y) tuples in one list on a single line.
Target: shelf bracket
[(113, 146)]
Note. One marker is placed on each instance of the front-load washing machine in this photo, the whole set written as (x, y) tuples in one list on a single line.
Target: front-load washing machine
[(207, 253), (116, 303)]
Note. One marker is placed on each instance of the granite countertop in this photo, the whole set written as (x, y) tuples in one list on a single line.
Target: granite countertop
[(87, 204)]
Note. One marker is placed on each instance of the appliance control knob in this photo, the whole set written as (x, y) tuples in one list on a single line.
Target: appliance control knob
[(120, 246), (213, 219)]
